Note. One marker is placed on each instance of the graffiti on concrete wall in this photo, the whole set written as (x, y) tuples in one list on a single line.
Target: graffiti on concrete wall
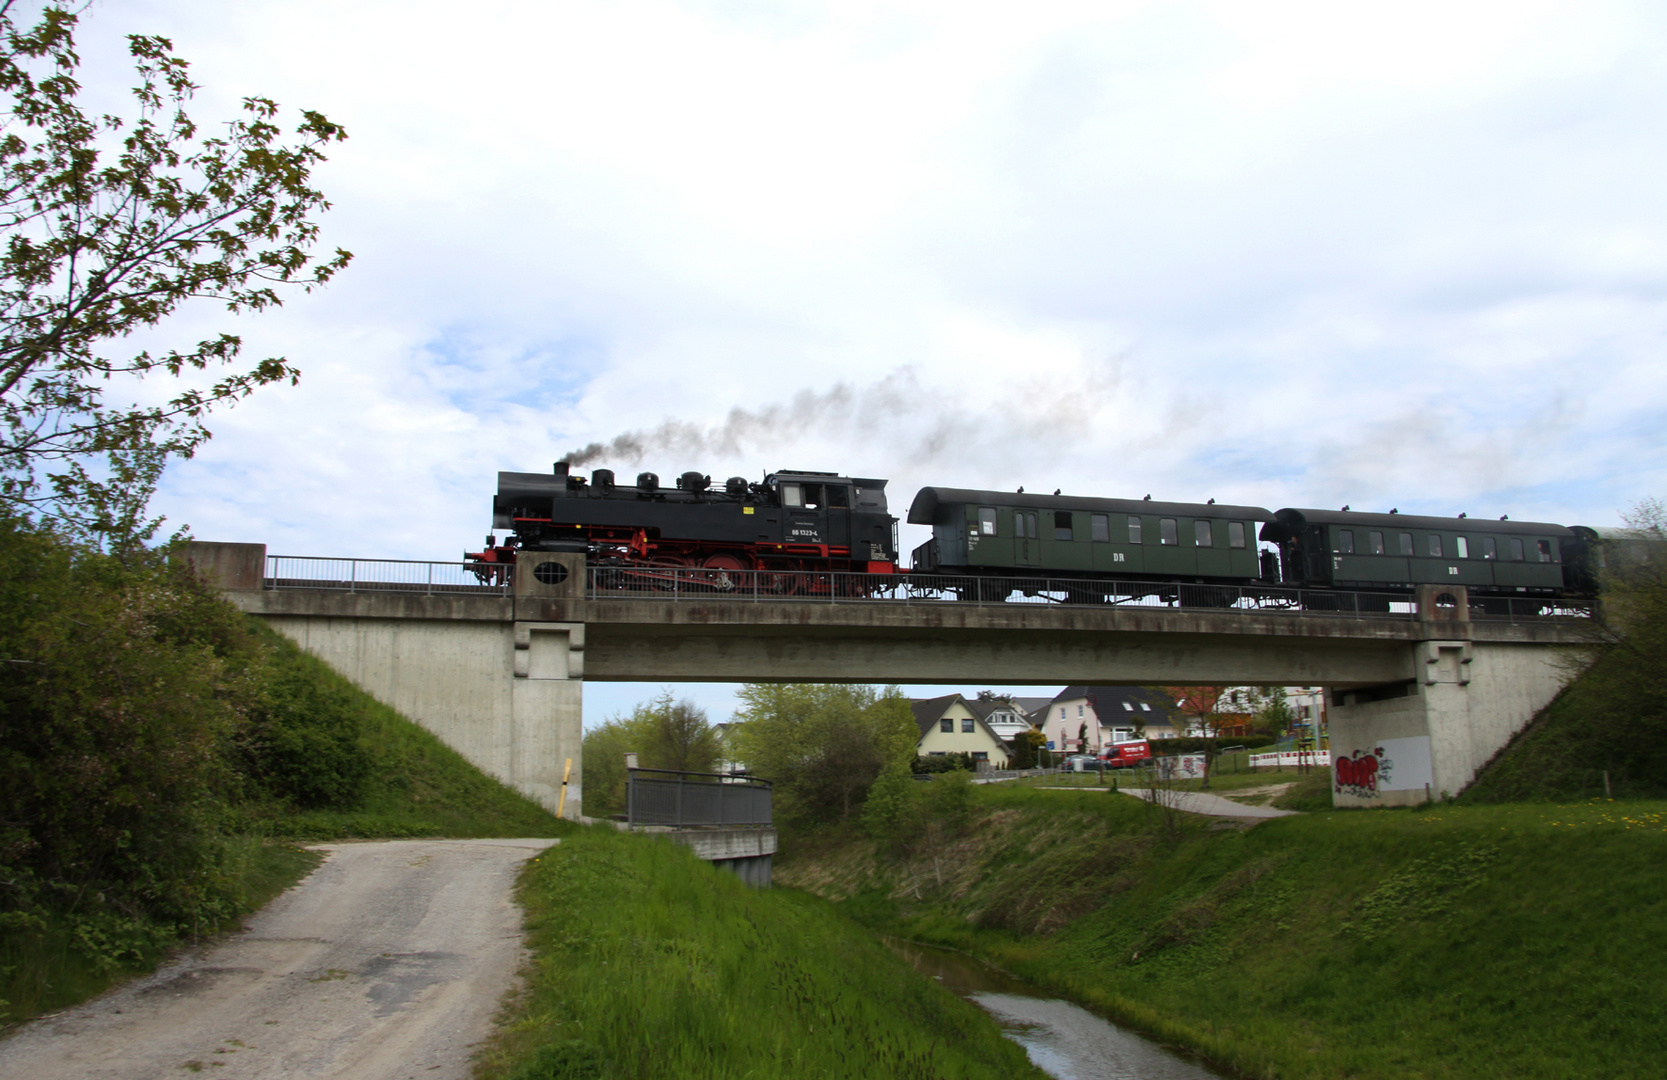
[(1362, 773), (1389, 765)]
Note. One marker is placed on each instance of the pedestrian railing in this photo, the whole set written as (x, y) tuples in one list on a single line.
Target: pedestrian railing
[(388, 575), (682, 800), (758, 586)]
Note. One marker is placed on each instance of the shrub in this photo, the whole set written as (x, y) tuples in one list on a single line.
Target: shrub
[(302, 744), (122, 684)]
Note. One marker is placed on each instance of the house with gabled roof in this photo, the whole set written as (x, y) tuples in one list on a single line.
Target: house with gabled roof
[(1007, 716), (1111, 714), (950, 725)]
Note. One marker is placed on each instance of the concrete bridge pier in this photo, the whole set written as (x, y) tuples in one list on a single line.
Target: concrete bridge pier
[(498, 679), (1426, 737)]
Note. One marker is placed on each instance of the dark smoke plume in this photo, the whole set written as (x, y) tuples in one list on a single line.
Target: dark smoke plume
[(897, 411)]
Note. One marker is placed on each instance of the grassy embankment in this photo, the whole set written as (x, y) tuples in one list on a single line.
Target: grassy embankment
[(649, 963), (414, 786), (1452, 941)]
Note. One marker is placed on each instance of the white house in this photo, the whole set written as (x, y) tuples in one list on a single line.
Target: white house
[(1007, 716), (949, 725), (1112, 714)]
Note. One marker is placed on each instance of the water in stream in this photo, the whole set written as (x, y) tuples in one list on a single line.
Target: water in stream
[(1064, 1040)]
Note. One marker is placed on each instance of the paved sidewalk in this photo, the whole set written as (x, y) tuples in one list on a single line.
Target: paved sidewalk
[(1202, 802)]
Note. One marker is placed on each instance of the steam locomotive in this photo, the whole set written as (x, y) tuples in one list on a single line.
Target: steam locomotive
[(796, 528), (791, 526)]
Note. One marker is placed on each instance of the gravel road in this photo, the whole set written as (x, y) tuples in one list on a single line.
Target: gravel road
[(388, 961)]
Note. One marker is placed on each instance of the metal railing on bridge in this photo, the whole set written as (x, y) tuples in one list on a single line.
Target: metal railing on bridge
[(682, 800), (757, 586), (388, 575), (683, 583)]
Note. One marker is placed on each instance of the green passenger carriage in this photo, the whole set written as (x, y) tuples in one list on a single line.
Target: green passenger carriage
[(997, 532), (1394, 552)]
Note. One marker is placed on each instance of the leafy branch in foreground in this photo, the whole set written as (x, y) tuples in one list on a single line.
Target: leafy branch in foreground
[(107, 226)]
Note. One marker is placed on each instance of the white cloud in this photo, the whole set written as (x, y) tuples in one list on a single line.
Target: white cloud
[(1298, 254)]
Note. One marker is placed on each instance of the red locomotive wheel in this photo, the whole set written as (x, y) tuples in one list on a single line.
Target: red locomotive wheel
[(726, 572)]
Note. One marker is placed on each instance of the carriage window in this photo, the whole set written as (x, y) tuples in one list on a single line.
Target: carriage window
[(1490, 550), (1062, 525), (1375, 539), (1134, 529), (792, 495), (1099, 528), (1435, 545), (1545, 551), (1030, 525), (1167, 532), (1201, 533), (987, 520), (1464, 547), (1345, 541), (1406, 543), (813, 496), (839, 495), (1235, 534), (1516, 549)]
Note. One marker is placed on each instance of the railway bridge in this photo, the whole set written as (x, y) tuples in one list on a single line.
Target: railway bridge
[(1428, 687)]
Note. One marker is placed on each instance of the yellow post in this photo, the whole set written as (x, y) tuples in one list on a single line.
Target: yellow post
[(566, 773)]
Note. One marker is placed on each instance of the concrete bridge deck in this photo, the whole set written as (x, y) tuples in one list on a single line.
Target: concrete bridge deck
[(497, 670)]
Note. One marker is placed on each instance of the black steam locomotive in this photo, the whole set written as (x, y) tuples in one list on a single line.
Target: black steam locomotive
[(790, 524), (795, 528)]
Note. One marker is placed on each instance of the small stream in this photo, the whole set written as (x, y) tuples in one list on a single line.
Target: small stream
[(1062, 1039)]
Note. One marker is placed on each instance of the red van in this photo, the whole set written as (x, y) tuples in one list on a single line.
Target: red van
[(1118, 755)]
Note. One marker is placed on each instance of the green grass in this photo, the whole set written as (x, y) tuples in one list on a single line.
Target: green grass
[(1522, 941), (60, 962), (648, 963), (417, 785)]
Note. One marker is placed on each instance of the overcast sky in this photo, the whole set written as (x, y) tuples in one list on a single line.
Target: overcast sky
[(1406, 255)]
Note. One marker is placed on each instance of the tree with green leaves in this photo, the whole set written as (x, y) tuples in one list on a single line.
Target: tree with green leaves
[(1274, 715), (1025, 745), (823, 746), (664, 733), (108, 226)]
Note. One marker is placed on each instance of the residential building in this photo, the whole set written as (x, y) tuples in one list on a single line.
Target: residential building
[(1111, 714), (1007, 716), (950, 725)]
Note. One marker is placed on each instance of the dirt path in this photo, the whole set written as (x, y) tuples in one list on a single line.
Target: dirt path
[(388, 961)]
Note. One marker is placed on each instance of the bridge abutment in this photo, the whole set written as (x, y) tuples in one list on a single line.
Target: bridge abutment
[(1424, 738), (499, 680)]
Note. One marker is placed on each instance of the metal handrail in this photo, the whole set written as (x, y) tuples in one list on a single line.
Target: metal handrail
[(627, 582), (755, 586), (419, 576)]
